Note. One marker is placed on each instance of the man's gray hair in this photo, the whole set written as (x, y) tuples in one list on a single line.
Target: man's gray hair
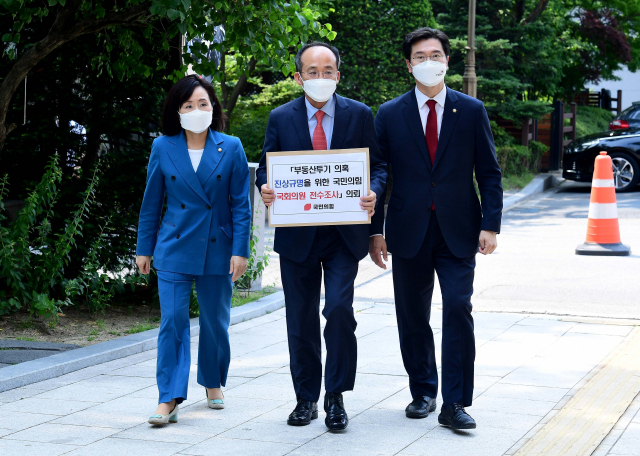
[(312, 44)]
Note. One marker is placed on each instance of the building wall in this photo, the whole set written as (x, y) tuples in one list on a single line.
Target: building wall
[(629, 84)]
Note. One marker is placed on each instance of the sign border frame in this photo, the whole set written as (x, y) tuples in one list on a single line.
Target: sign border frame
[(320, 152)]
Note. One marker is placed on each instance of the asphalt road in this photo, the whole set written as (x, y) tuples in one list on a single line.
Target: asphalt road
[(535, 268)]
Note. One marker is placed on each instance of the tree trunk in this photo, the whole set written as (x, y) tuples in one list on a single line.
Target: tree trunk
[(64, 29), (537, 12), (232, 99)]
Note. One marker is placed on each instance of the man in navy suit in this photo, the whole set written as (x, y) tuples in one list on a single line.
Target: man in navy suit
[(321, 120), (435, 138)]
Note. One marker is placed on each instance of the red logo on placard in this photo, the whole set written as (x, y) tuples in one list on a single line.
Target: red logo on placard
[(307, 207)]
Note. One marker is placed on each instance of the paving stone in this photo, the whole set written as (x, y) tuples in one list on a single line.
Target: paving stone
[(384, 369), (120, 413), (281, 413), (495, 419), (272, 386), (125, 447), (485, 441), (177, 432), (463, 446), (218, 446), (22, 448), (276, 432), (629, 441), (82, 392), (62, 433), (610, 330), (393, 419), (525, 366), (17, 421), (46, 406), (244, 368), (532, 393), (129, 384), (276, 356), (136, 370), (548, 324), (518, 407), (17, 394), (237, 410), (370, 438)]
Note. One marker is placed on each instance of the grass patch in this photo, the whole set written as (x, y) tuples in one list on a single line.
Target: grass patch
[(242, 298), (517, 181), (30, 339), (590, 120), (141, 327)]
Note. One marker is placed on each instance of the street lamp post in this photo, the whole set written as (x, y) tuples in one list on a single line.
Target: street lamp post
[(469, 79)]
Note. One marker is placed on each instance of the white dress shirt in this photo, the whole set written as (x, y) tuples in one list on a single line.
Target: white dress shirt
[(329, 109), (195, 156), (440, 98)]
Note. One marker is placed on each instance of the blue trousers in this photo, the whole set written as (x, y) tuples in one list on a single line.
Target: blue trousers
[(302, 283), (174, 340), (413, 281)]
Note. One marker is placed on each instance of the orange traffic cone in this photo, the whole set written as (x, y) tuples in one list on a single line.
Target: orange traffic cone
[(603, 232)]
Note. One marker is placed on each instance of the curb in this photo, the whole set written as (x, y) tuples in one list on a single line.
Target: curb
[(63, 363), (539, 184)]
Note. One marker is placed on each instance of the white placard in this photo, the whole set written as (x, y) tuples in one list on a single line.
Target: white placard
[(318, 187)]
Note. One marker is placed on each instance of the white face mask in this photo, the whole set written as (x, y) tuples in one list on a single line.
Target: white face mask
[(430, 73), (196, 121), (319, 90)]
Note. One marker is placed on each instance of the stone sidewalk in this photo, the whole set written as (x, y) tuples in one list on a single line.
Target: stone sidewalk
[(527, 367)]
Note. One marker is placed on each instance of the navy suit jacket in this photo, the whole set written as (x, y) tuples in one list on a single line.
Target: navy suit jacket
[(465, 146), (208, 217), (288, 130)]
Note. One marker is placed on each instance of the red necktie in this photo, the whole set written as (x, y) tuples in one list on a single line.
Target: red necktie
[(319, 138), (431, 133)]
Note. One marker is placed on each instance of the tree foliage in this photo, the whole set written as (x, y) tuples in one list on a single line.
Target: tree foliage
[(530, 50), (255, 30), (370, 36)]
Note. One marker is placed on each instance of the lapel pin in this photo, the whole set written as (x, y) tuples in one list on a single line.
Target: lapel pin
[(219, 149), (454, 110)]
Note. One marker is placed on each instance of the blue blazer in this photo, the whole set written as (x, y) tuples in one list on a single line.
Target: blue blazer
[(208, 217), (288, 130), (465, 146)]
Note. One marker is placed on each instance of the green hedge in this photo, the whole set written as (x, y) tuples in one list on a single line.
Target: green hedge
[(591, 120)]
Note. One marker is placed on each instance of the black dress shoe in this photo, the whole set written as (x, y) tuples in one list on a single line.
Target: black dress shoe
[(420, 407), (304, 412), (337, 419), (455, 417)]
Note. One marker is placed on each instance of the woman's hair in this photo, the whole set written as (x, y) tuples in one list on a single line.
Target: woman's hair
[(181, 92)]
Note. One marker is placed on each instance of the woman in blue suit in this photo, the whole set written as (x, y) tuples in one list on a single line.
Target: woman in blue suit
[(203, 236)]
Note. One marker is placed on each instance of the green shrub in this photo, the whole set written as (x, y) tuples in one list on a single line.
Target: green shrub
[(516, 159), (33, 258), (250, 117), (500, 136), (591, 120)]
